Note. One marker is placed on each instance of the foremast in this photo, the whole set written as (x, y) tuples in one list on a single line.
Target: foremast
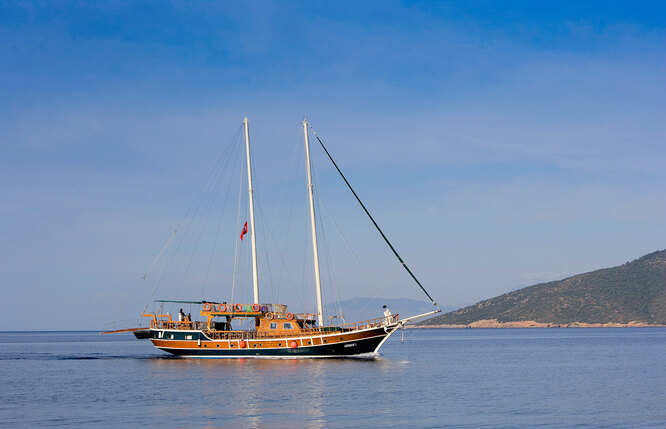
[(255, 279), (313, 225)]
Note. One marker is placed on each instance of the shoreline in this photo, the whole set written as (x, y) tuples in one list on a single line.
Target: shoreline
[(494, 324)]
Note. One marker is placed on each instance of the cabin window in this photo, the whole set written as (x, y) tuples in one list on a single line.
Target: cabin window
[(161, 334), (188, 337), (171, 336), (287, 325), (273, 325)]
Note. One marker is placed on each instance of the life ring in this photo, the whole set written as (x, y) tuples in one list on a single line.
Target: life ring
[(206, 306), (238, 307), (222, 308), (269, 315), (290, 316), (293, 344), (241, 344), (255, 307)]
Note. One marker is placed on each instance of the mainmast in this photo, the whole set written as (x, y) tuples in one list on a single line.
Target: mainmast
[(315, 250), (252, 234)]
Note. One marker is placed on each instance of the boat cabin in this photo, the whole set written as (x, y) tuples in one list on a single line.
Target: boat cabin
[(269, 318)]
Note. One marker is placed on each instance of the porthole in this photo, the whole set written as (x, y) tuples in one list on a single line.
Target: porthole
[(325, 340), (218, 345), (309, 342)]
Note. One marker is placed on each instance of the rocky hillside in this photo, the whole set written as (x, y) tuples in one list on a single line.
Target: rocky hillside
[(632, 292)]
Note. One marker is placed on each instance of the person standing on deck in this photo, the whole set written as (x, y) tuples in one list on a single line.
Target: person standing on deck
[(181, 315), (388, 315)]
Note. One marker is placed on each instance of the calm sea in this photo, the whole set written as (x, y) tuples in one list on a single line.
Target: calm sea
[(512, 378)]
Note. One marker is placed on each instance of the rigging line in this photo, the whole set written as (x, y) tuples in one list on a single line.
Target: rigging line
[(203, 220), (261, 231), (358, 262), (372, 219), (145, 276), (135, 290), (265, 121), (199, 202), (172, 251), (262, 237), (277, 247), (296, 159), (215, 167), (248, 258), (415, 331), (329, 260), (217, 170), (240, 192), (234, 155), (326, 249), (278, 210), (268, 232), (264, 245), (165, 266), (305, 265), (321, 203)]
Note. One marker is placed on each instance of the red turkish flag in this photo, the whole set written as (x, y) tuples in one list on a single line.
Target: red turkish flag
[(244, 231)]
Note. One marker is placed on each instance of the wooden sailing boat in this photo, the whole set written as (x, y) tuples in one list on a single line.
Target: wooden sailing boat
[(276, 332)]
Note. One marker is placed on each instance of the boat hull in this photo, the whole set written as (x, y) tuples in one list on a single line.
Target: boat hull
[(143, 334), (322, 346)]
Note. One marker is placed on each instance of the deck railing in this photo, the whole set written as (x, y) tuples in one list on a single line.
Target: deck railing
[(234, 335), (174, 324), (379, 321)]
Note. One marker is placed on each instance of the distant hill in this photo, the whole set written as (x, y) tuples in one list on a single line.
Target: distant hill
[(635, 291)]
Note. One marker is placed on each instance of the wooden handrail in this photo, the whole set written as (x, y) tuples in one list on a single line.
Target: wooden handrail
[(345, 327)]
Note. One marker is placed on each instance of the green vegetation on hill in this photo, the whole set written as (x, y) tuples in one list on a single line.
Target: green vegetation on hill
[(635, 291)]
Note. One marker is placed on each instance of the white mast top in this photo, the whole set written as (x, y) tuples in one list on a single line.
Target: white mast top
[(252, 234), (315, 250)]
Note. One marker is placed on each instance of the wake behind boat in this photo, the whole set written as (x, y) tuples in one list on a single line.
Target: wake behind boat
[(273, 331)]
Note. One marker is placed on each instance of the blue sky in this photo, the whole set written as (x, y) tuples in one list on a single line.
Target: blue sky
[(498, 144)]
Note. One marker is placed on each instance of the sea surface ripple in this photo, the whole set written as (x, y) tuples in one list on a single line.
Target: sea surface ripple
[(470, 378)]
